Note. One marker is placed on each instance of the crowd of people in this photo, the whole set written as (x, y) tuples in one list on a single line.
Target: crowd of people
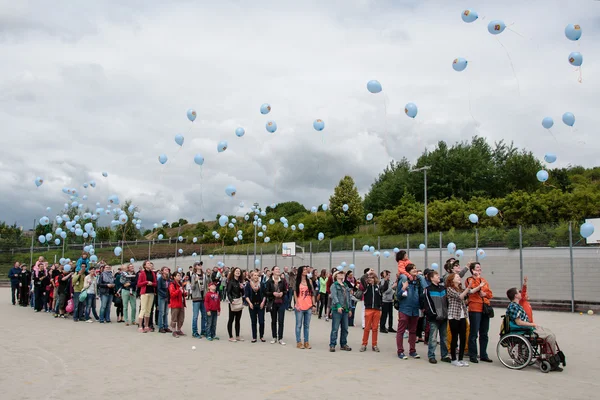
[(432, 308)]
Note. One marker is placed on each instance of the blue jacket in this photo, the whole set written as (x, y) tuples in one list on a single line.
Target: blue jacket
[(14, 275), (411, 304), (162, 287)]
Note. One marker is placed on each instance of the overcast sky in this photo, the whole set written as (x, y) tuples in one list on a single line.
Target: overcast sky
[(104, 86)]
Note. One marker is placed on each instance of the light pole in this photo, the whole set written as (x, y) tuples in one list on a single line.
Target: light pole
[(424, 169), (255, 227)]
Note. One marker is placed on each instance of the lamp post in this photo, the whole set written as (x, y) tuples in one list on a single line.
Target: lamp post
[(255, 228), (424, 169)]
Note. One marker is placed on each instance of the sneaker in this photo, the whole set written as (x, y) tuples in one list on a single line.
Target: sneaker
[(406, 335), (175, 334), (300, 345), (376, 349), (239, 339), (558, 369), (162, 330), (346, 348), (194, 335), (232, 340), (273, 341), (446, 359), (216, 338), (463, 363), (432, 361), (281, 342), (89, 321), (253, 341), (363, 349), (414, 355), (209, 339), (456, 363), (63, 316), (402, 356), (332, 349)]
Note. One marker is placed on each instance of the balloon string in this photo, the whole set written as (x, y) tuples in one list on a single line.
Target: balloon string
[(470, 108), (512, 66), (385, 128), (513, 31), (553, 135), (580, 79)]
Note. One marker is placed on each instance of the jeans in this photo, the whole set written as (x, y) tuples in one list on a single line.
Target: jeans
[(163, 318), (337, 320), (198, 307), (404, 322), (32, 298), (353, 309), (257, 313), (387, 316), (303, 320), (128, 303), (105, 301), (434, 328), (14, 292), (91, 306), (211, 324), (76, 308), (480, 324), (277, 317)]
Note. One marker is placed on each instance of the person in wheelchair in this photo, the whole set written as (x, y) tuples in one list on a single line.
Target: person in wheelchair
[(519, 323)]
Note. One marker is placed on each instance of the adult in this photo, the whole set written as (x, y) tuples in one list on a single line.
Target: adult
[(276, 290), (291, 283), (117, 300), (64, 289), (387, 289), (353, 284), (323, 295), (78, 281), (457, 314), (15, 278), (340, 310), (480, 295), (363, 282), (128, 294), (255, 298), (372, 304), (235, 289), (162, 290), (24, 282), (408, 311), (90, 285), (106, 289), (199, 282), (38, 278), (147, 285), (453, 266), (436, 312), (304, 298)]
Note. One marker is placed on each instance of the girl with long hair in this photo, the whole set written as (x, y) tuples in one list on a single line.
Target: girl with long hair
[(304, 296), (276, 291), (235, 289), (457, 317)]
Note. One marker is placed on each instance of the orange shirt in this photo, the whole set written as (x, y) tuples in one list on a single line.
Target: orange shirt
[(402, 267), (304, 299), (475, 299), (525, 303)]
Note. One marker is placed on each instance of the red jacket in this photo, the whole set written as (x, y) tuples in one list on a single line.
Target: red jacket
[(212, 302), (143, 282), (176, 293)]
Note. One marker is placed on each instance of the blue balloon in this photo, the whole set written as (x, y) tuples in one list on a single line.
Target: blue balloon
[(421, 246), (491, 211), (386, 254), (94, 259), (324, 206), (118, 251), (345, 207), (105, 174), (575, 59), (542, 175), (434, 266), (271, 126), (265, 109), (85, 185), (63, 235), (547, 122), (230, 191), (93, 184), (198, 159), (313, 209), (573, 32), (179, 139), (180, 251), (586, 230), (374, 86), (365, 247), (568, 118), (481, 253), (38, 181), (411, 110), (451, 247), (496, 27), (222, 146), (459, 64), (339, 268), (180, 238), (301, 226), (469, 16), (44, 221), (257, 262), (160, 237), (191, 114), (371, 249), (223, 220), (550, 158), (321, 236), (239, 132), (473, 218), (42, 239), (162, 158), (459, 253), (369, 216), (396, 250), (67, 268), (319, 125)]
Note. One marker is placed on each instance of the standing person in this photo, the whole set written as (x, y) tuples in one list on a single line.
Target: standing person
[(323, 295), (90, 285), (304, 298), (106, 289), (353, 285), (199, 282), (340, 311), (291, 283), (47, 290), (480, 295), (235, 289), (453, 266), (15, 278), (177, 296), (147, 285), (372, 304), (254, 295), (276, 291), (38, 287), (212, 303), (128, 292), (387, 289), (117, 300), (457, 317), (408, 311), (78, 282), (162, 290), (436, 312), (24, 282), (64, 290), (363, 282)]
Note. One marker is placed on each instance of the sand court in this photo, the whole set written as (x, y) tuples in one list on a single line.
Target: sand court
[(44, 357)]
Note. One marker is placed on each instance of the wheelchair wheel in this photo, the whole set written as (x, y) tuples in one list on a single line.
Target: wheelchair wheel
[(514, 351), (545, 367)]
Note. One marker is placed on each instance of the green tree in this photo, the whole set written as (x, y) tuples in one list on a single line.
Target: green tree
[(128, 230), (389, 187), (103, 234), (182, 221), (346, 193)]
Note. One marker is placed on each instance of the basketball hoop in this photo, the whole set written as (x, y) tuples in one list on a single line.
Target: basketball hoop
[(288, 249)]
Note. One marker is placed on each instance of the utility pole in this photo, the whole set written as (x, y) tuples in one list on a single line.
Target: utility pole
[(255, 228), (424, 169)]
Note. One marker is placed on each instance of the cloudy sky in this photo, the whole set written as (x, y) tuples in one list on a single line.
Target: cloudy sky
[(105, 86)]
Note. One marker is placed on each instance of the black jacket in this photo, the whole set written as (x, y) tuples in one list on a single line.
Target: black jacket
[(372, 297), (233, 290), (270, 289)]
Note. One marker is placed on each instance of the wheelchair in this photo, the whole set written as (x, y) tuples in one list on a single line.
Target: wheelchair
[(518, 349)]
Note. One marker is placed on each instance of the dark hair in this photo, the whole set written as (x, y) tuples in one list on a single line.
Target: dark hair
[(511, 293), (473, 265), (449, 264), (323, 273), (366, 270), (431, 274), (400, 255), (174, 274), (299, 280), (232, 274), (410, 267), (273, 269)]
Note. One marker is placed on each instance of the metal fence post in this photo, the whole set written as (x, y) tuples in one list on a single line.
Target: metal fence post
[(330, 254), (247, 258), (379, 258), (149, 248), (261, 255), (353, 250), (476, 244), (571, 262), (521, 252), (441, 246), (407, 245), (310, 252), (276, 249)]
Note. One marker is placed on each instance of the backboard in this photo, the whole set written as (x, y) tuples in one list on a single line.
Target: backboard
[(288, 249), (595, 237)]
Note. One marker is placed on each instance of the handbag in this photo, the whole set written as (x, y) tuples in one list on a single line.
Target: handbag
[(488, 310), (83, 295), (358, 295), (237, 305)]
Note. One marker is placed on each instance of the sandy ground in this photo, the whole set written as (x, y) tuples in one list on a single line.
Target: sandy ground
[(43, 357)]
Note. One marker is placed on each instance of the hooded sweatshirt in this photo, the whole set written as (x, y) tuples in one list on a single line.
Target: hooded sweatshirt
[(436, 302)]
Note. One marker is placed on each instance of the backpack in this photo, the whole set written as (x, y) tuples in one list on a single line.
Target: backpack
[(504, 325)]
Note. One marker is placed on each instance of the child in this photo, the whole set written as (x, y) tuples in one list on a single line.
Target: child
[(213, 310), (524, 302), (372, 304), (177, 304), (403, 262)]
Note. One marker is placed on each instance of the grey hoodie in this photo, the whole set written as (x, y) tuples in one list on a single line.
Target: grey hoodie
[(387, 293), (199, 287)]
